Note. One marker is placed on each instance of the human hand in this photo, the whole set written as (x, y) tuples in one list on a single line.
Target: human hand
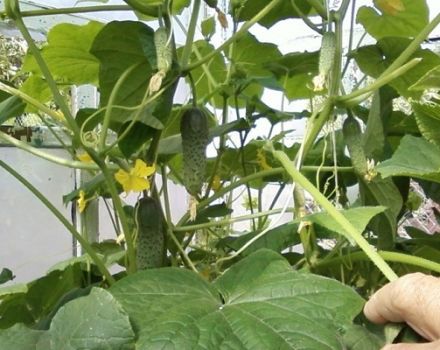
[(414, 299)]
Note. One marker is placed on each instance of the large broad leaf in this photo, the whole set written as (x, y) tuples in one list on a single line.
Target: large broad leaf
[(94, 322), (243, 10), (32, 304), (428, 120), (19, 337), (295, 72), (374, 59), (251, 56), (121, 46), (404, 18), (259, 303), (67, 54), (415, 157)]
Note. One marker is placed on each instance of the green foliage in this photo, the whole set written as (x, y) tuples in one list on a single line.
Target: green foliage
[(120, 47), (242, 293), (67, 55), (243, 10), (402, 18), (249, 294), (415, 157), (374, 59)]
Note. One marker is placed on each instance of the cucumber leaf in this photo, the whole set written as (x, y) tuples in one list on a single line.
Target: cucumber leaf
[(274, 306), (415, 157), (403, 18)]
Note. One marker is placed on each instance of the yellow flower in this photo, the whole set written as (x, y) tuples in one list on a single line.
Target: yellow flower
[(261, 158), (82, 201), (136, 180), (84, 157)]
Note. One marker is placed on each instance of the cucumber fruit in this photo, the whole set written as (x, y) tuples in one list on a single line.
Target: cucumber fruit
[(351, 130), (150, 234), (327, 53), (164, 52), (195, 137)]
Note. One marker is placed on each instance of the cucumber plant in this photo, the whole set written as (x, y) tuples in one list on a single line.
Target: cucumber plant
[(145, 138)]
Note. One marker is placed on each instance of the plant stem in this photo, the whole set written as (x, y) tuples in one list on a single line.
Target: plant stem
[(182, 252), (44, 155), (86, 245), (381, 81), (205, 67), (350, 230), (71, 10), (243, 30), (190, 34), (387, 256), (411, 48), (131, 254), (274, 201), (275, 171), (226, 222), (305, 18), (315, 124), (108, 111)]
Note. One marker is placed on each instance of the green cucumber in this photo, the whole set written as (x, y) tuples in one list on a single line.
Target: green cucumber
[(150, 234), (195, 137), (351, 130), (327, 53), (164, 52)]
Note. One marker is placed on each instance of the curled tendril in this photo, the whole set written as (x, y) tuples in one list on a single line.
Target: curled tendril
[(90, 138)]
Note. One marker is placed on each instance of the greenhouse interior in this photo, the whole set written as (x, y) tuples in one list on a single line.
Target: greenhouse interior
[(220, 174)]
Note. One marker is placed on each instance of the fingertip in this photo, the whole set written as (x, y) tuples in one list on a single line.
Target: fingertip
[(371, 311)]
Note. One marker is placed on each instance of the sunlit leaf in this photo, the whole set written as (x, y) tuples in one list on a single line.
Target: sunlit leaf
[(402, 18)]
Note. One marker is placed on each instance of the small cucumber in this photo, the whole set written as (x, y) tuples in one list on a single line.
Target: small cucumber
[(353, 139), (195, 137), (164, 52), (150, 234), (326, 60), (327, 53)]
